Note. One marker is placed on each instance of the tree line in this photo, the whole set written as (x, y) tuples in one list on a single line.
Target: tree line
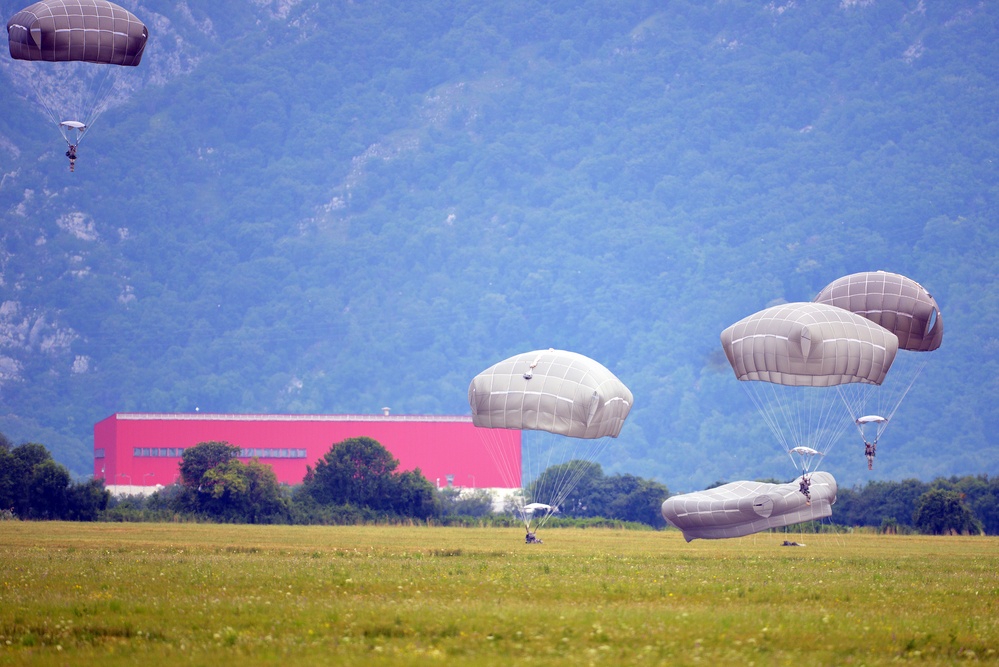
[(358, 481), (964, 505)]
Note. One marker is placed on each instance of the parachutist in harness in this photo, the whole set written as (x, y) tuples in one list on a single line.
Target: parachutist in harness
[(531, 538), (803, 488), (71, 154), (870, 450)]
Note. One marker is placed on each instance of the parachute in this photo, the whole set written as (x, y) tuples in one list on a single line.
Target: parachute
[(532, 507), (743, 508), (795, 359), (568, 405), (75, 51), (897, 303), (905, 308)]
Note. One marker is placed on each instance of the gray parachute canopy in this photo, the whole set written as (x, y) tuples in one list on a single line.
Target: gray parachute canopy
[(93, 31), (743, 508), (809, 345), (897, 303), (550, 390)]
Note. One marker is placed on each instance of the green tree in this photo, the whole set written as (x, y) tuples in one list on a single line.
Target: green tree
[(415, 496), (622, 497), (8, 479), (243, 492), (85, 501), (585, 499), (34, 486), (47, 491), (636, 499), (360, 472), (198, 460), (980, 494), (27, 475), (878, 501), (940, 512), (475, 503), (357, 471)]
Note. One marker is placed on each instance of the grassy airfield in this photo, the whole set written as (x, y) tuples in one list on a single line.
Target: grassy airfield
[(167, 594)]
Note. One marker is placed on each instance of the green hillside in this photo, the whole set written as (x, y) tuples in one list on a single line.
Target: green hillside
[(340, 207)]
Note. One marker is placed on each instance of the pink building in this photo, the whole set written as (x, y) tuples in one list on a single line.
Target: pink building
[(136, 452)]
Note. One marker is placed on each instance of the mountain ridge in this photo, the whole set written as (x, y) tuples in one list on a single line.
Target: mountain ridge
[(337, 208)]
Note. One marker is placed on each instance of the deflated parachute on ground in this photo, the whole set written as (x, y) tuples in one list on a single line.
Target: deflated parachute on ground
[(93, 31), (743, 508)]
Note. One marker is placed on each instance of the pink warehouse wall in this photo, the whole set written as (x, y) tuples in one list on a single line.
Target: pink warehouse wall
[(439, 446)]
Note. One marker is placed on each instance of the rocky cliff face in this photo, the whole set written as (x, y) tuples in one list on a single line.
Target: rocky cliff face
[(37, 221)]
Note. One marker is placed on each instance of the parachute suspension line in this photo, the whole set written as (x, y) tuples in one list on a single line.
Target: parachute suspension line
[(539, 452), (103, 88), (542, 453), (42, 98), (491, 443), (887, 398), (786, 410), (508, 467), (564, 488), (768, 409), (84, 93), (576, 467), (903, 388), (832, 423), (799, 417), (856, 398), (554, 465)]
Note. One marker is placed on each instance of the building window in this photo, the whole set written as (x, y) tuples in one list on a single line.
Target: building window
[(99, 453), (271, 453), (136, 452)]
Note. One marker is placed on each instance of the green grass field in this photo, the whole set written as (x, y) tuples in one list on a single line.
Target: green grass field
[(163, 594)]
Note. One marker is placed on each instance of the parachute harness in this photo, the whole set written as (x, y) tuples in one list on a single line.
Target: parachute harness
[(887, 397)]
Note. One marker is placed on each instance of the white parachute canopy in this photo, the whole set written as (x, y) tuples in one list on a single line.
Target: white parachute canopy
[(534, 507), (794, 360), (568, 407), (806, 456), (872, 419), (909, 311), (71, 55), (72, 131)]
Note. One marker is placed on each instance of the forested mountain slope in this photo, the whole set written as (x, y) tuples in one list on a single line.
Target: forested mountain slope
[(337, 207)]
